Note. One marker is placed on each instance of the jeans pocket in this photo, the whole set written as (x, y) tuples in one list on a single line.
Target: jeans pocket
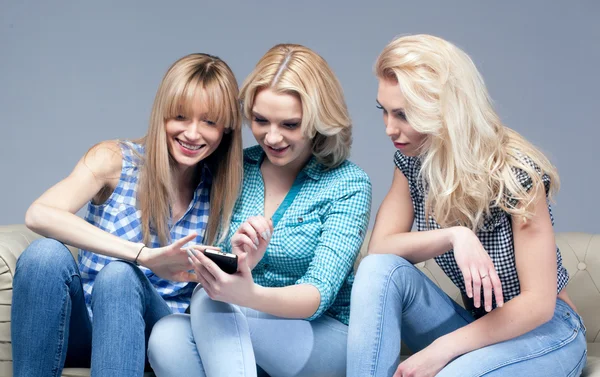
[(580, 321), (583, 328), (571, 317)]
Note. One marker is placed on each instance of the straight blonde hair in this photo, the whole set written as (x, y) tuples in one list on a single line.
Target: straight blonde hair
[(297, 70), (471, 161), (214, 80)]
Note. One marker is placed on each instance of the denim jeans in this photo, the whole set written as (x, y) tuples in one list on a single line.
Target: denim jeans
[(221, 339), (393, 300), (51, 326)]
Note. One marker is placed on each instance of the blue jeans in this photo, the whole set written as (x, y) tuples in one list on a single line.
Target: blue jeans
[(393, 300), (51, 326), (220, 339)]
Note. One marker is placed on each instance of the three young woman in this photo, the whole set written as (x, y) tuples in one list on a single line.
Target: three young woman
[(477, 190), (145, 200)]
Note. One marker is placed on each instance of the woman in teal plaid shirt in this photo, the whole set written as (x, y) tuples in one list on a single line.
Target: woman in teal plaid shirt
[(286, 309)]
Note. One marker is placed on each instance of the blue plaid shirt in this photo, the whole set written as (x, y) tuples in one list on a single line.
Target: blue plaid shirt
[(319, 236), (118, 215)]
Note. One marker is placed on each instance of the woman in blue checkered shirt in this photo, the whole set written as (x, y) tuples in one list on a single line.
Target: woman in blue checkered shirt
[(145, 200), (297, 229), (478, 194)]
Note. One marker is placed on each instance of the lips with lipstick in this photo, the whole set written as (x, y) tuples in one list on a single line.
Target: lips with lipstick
[(192, 147), (189, 149), (277, 150)]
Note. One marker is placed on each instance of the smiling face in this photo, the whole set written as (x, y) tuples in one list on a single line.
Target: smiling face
[(392, 102), (192, 136), (276, 120)]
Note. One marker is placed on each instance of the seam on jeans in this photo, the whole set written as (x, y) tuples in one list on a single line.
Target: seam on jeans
[(144, 284), (237, 327), (56, 368), (114, 369), (534, 355), (144, 281), (442, 295), (579, 366), (383, 300)]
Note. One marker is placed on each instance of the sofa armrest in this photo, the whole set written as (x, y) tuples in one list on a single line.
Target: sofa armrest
[(13, 240)]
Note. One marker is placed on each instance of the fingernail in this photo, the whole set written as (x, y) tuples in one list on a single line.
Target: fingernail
[(488, 308), (265, 235), (500, 304), (189, 252), (190, 259), (256, 241), (194, 252)]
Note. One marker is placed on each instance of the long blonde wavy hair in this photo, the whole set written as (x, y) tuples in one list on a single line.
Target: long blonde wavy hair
[(297, 70), (470, 159), (219, 92)]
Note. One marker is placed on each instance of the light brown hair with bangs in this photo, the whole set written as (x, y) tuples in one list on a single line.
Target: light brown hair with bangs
[(214, 80)]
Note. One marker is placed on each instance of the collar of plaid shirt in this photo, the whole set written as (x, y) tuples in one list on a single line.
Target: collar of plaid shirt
[(313, 168)]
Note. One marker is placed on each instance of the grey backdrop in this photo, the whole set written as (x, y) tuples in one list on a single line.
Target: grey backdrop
[(75, 73)]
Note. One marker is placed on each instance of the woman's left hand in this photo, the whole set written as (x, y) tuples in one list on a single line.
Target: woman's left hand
[(426, 363), (237, 288)]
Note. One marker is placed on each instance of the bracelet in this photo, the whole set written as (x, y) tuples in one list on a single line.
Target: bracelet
[(135, 261)]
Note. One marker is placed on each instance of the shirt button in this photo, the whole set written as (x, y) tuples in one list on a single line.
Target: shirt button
[(581, 266), (300, 219)]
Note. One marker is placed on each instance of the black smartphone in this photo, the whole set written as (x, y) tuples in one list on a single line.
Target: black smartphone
[(226, 261)]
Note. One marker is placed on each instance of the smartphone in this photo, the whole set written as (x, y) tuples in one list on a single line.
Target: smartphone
[(226, 261)]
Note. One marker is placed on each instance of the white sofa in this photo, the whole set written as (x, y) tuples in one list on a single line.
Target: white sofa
[(580, 251)]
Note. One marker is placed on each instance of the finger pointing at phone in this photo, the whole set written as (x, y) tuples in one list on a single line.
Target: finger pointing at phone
[(237, 288), (252, 238)]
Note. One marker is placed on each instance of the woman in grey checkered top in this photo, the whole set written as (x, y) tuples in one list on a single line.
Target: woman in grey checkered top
[(478, 193), (145, 200)]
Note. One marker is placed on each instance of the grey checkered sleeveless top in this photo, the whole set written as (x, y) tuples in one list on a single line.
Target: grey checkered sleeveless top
[(495, 235)]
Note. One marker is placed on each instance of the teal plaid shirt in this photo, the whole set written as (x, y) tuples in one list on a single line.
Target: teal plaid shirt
[(319, 236)]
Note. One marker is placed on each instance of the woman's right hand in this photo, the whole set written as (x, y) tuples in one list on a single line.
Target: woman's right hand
[(169, 262), (477, 268), (252, 239)]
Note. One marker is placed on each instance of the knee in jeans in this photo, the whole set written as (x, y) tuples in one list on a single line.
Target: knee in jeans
[(202, 305), (380, 263), (44, 255), (171, 327), (376, 271), (167, 336), (200, 302), (117, 274)]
